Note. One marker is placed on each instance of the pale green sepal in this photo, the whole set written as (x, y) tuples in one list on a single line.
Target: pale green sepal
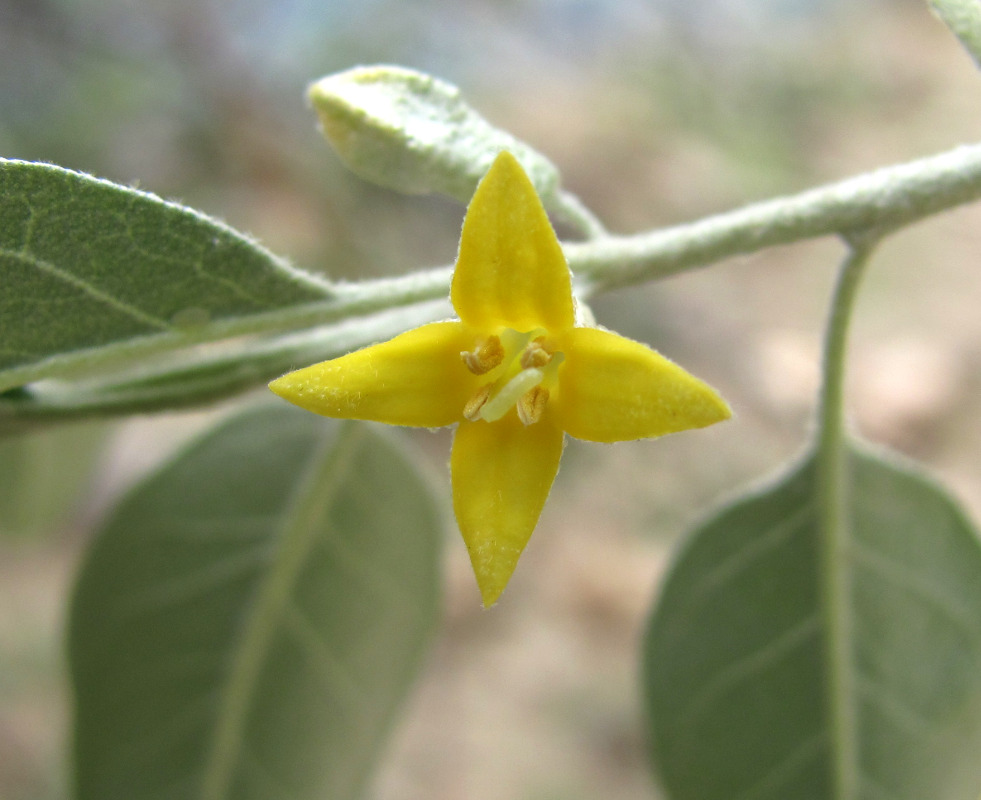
[(411, 132), (963, 17)]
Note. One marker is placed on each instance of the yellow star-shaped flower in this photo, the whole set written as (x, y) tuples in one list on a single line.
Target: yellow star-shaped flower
[(514, 373)]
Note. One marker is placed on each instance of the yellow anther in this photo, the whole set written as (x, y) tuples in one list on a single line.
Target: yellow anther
[(471, 410), (532, 404), (536, 354), (487, 355)]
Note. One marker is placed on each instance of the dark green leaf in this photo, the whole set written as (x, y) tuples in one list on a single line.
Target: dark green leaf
[(735, 655), (250, 618), (90, 268)]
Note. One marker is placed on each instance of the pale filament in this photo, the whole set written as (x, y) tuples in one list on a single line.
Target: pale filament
[(499, 405)]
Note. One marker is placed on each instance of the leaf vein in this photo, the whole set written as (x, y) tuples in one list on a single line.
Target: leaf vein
[(264, 782), (334, 673), (890, 705), (325, 471), (189, 585), (742, 559), (782, 772), (90, 290), (910, 581), (142, 749), (738, 671), (367, 570), (872, 786)]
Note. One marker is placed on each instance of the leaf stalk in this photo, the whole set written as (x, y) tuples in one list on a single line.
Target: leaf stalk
[(834, 534)]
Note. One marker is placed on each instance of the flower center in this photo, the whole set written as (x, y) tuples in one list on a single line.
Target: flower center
[(522, 367)]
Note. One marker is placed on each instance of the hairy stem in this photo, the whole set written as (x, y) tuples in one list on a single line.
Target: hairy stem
[(880, 201), (883, 200)]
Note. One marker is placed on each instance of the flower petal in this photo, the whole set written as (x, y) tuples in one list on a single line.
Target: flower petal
[(502, 473), (510, 271), (417, 378), (612, 389)]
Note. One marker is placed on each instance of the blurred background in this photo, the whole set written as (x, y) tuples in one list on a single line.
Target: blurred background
[(657, 112)]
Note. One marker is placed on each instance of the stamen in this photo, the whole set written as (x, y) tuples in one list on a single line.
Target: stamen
[(497, 406), (485, 357), (526, 367), (471, 410), (536, 354), (532, 404)]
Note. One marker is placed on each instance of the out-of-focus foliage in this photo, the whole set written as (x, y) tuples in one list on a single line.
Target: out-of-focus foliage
[(251, 616), (737, 653), (42, 477), (201, 101)]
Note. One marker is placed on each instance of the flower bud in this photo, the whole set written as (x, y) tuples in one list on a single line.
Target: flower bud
[(411, 132)]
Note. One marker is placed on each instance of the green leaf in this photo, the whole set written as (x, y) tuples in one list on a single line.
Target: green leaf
[(95, 273), (43, 475), (414, 133), (737, 647), (963, 17), (251, 616)]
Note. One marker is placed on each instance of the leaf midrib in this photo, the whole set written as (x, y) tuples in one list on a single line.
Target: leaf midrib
[(327, 467), (89, 289)]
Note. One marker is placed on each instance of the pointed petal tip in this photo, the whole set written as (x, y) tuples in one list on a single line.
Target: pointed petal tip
[(279, 385), (284, 386), (506, 160), (489, 598), (714, 408), (493, 562), (502, 472), (511, 270), (614, 389), (725, 410), (493, 577), (704, 409), (292, 387)]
